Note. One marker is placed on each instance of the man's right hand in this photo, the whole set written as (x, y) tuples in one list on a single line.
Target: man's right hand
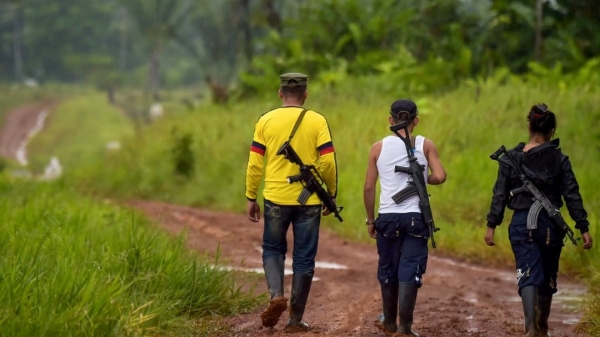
[(587, 240), (489, 236), (372, 231), (253, 211)]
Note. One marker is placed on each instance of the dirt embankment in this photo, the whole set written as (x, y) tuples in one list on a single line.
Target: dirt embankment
[(456, 299)]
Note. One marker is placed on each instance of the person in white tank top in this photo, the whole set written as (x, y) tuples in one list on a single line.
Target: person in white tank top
[(399, 229)]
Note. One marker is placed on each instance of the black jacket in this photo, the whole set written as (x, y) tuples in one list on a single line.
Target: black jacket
[(548, 169)]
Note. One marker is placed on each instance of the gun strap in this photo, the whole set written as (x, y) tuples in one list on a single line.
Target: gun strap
[(297, 124)]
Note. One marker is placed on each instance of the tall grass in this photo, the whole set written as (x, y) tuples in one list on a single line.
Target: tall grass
[(70, 266)]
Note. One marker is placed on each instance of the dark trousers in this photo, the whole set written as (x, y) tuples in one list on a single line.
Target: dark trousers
[(537, 252), (402, 247), (305, 221)]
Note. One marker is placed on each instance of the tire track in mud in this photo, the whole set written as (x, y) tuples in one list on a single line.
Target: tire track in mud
[(457, 299)]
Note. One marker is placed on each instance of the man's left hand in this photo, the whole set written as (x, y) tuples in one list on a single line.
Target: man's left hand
[(325, 210)]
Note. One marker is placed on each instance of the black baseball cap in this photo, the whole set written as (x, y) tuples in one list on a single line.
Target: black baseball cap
[(406, 106)]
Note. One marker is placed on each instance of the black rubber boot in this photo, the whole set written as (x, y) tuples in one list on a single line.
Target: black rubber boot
[(544, 303), (300, 289), (274, 267), (389, 296), (407, 298), (529, 297)]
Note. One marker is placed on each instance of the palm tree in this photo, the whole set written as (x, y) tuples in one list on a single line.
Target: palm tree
[(160, 22)]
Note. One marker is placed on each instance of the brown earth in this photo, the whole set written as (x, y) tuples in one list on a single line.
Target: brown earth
[(457, 299), (17, 126)]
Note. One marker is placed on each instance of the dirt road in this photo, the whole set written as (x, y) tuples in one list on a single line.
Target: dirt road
[(456, 299), (20, 124)]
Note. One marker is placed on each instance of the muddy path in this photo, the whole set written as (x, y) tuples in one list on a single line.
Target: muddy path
[(21, 124), (456, 299)]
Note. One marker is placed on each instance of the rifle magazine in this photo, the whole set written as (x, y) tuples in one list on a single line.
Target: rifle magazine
[(533, 214), (304, 195), (405, 194)]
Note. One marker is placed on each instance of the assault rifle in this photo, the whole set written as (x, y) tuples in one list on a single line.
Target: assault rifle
[(416, 182), (310, 178), (539, 199)]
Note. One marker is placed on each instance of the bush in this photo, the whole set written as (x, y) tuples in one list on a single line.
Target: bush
[(182, 155)]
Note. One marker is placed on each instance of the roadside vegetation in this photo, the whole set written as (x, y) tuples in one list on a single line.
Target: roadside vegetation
[(71, 265)]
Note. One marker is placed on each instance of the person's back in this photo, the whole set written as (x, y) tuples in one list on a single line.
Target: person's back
[(399, 229), (311, 142), (309, 136), (393, 153)]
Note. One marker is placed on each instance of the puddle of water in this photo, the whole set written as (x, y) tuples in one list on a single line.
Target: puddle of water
[(286, 272), (329, 265)]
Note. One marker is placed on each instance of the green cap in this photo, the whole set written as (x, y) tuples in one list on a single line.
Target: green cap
[(293, 80)]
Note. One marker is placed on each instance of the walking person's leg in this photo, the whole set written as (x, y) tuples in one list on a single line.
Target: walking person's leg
[(388, 248), (530, 275), (305, 225), (412, 266), (277, 221), (551, 246)]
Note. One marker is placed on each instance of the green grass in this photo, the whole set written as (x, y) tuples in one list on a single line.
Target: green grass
[(591, 319), (71, 266), (77, 132)]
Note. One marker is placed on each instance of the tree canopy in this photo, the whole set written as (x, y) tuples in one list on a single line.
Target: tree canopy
[(182, 42)]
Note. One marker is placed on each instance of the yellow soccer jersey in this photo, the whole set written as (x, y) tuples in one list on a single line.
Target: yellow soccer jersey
[(312, 142)]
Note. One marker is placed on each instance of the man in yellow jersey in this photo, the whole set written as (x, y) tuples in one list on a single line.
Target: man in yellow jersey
[(312, 142)]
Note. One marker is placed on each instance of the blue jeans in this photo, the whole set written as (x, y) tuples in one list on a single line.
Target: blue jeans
[(305, 222), (537, 252), (402, 247)]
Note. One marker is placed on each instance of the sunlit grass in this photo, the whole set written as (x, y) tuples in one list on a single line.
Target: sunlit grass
[(70, 266)]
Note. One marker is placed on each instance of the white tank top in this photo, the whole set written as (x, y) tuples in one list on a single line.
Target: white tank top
[(393, 153)]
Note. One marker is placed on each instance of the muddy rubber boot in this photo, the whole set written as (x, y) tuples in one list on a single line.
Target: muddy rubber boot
[(389, 296), (300, 289), (274, 274), (529, 297), (407, 298), (544, 303)]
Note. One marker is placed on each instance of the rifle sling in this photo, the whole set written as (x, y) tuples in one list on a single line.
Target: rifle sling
[(297, 124)]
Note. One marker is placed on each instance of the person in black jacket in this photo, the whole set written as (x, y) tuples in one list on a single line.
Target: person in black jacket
[(537, 251)]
